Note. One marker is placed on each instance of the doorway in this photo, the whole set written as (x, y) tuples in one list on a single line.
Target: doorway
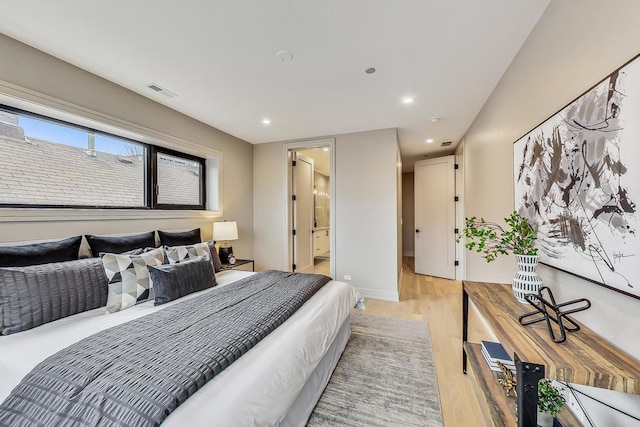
[(310, 192)]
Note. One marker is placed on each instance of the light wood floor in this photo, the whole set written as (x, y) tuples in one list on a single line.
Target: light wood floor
[(439, 302), (322, 266)]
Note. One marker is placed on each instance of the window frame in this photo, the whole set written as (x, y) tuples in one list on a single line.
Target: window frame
[(150, 173), (152, 185)]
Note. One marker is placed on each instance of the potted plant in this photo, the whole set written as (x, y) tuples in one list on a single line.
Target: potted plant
[(550, 403), (491, 239)]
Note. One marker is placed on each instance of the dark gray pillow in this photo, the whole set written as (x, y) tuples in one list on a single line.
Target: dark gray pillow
[(38, 294), (40, 253), (180, 238), (215, 259), (118, 245), (173, 281)]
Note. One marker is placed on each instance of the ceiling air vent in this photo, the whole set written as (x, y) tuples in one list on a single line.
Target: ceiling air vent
[(161, 90), (446, 144)]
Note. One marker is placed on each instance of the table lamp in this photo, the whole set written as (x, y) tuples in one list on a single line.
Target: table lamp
[(223, 232)]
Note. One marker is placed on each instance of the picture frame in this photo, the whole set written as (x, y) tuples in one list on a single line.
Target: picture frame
[(577, 180)]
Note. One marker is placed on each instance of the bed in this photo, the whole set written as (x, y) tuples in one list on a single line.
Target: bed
[(276, 383)]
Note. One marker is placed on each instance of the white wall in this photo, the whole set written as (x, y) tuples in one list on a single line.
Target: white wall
[(40, 77), (575, 44), (366, 210)]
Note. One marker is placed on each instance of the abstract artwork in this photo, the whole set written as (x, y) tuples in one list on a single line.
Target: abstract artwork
[(577, 178)]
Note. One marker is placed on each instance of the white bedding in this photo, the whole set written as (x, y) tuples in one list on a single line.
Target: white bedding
[(256, 390)]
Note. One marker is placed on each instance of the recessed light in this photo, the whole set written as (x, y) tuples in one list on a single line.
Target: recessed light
[(266, 121), (407, 100), (429, 141), (370, 70), (434, 119)]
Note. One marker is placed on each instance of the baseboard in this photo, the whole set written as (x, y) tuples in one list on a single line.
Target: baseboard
[(378, 294), (408, 253)]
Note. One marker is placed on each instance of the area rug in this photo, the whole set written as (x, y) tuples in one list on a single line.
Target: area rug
[(385, 377)]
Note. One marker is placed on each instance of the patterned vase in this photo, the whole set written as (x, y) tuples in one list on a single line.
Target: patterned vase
[(545, 419), (526, 281)]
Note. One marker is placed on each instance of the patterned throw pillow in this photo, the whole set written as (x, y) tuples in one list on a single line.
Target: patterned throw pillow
[(129, 281), (176, 254)]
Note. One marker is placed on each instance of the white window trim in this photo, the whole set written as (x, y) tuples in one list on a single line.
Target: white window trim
[(28, 100)]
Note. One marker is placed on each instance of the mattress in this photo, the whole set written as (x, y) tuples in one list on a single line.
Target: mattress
[(258, 389)]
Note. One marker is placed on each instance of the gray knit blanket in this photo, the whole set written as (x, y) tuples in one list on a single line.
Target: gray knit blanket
[(137, 373)]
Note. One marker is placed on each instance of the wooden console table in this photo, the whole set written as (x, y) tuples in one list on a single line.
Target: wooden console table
[(584, 358)]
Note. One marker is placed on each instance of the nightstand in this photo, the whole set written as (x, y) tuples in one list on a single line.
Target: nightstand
[(239, 263)]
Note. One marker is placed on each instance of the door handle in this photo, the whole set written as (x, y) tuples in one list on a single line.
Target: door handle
[(417, 230)]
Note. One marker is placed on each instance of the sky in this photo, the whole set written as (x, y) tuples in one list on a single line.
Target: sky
[(61, 134)]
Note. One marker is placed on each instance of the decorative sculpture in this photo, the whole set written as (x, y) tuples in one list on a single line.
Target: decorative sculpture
[(509, 380), (546, 309)]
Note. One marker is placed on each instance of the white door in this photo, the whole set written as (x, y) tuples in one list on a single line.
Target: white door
[(435, 217), (303, 214)]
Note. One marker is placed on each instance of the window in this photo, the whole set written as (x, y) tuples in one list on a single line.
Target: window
[(179, 180), (46, 162)]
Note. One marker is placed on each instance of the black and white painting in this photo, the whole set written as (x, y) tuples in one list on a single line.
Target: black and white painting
[(577, 178)]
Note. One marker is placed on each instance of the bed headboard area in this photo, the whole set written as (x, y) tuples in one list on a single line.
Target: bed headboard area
[(46, 281), (18, 226), (156, 237)]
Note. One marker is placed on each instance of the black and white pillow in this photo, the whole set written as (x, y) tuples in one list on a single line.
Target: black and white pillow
[(129, 280), (176, 254)]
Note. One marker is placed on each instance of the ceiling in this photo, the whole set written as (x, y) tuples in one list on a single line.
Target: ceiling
[(220, 58)]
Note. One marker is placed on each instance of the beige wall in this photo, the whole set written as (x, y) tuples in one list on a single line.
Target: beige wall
[(408, 213), (65, 87), (365, 204), (575, 45)]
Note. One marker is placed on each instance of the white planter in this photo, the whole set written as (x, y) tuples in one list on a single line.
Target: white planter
[(545, 419), (526, 281)]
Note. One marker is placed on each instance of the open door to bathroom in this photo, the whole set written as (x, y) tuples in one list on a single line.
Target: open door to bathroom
[(310, 208)]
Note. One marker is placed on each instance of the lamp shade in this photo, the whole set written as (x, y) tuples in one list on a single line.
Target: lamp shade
[(227, 230)]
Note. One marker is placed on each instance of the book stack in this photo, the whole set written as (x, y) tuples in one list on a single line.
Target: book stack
[(494, 352)]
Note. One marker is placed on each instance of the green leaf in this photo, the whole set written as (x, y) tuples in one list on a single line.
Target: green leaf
[(491, 239)]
